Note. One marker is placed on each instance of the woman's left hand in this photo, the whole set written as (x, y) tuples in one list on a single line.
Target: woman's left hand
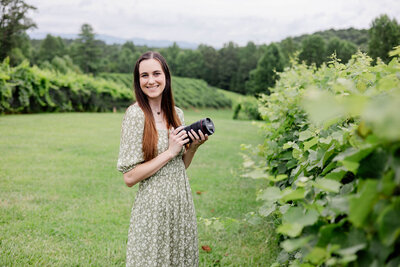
[(198, 139)]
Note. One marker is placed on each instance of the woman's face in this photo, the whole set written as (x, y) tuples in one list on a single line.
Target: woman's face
[(152, 78)]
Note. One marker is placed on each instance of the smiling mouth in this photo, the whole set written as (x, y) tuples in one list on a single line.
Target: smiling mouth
[(153, 87)]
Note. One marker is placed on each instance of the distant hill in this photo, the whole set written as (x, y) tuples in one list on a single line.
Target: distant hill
[(358, 37), (108, 39)]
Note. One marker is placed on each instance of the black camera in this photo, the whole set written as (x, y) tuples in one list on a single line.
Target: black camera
[(206, 126)]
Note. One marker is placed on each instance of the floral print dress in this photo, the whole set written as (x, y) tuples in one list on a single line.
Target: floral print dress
[(163, 227)]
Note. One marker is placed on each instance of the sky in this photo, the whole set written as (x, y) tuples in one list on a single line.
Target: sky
[(211, 22)]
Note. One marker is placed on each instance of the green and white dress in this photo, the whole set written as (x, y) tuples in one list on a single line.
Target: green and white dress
[(163, 227)]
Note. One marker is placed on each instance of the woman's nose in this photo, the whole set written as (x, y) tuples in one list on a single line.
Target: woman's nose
[(151, 80)]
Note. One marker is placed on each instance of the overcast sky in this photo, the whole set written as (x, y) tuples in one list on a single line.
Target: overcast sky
[(212, 22)]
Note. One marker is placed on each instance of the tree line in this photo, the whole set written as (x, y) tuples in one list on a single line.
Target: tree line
[(249, 69)]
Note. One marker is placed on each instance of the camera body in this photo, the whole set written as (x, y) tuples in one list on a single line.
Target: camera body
[(206, 126)]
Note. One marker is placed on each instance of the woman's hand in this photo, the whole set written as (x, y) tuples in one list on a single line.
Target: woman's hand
[(198, 139), (177, 139)]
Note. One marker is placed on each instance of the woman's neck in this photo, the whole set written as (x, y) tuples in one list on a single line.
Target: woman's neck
[(155, 104)]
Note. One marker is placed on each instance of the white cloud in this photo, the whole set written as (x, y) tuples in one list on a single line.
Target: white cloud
[(209, 21)]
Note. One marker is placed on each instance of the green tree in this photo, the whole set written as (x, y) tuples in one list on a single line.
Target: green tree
[(227, 65), (126, 61), (264, 76), (50, 47), (22, 51), (13, 24), (288, 48), (88, 50), (248, 58), (189, 63), (16, 56), (313, 50), (109, 62), (358, 37), (384, 35), (170, 54), (210, 58), (129, 45), (343, 49)]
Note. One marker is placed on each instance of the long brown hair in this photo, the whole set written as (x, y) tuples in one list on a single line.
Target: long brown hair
[(150, 136)]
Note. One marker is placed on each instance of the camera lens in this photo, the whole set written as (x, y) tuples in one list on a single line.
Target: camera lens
[(205, 125)]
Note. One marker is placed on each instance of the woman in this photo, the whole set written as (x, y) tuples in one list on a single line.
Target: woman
[(163, 228)]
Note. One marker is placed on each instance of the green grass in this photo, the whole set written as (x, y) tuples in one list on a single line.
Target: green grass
[(63, 203)]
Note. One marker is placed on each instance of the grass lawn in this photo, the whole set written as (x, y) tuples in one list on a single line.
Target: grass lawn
[(63, 203)]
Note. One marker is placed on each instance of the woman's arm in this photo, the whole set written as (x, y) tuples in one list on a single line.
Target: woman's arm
[(147, 169), (198, 140)]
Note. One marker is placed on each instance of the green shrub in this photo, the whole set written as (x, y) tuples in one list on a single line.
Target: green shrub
[(25, 89), (331, 158), (236, 111), (248, 106)]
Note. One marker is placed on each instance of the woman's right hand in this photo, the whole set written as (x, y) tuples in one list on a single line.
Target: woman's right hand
[(177, 139)]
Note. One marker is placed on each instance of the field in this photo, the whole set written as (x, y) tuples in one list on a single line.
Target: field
[(63, 203)]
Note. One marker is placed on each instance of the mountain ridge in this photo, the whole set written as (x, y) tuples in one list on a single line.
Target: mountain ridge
[(108, 39)]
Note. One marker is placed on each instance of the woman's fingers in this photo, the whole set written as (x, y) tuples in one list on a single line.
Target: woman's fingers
[(182, 136), (177, 130), (202, 137), (195, 135), (191, 135), (179, 135)]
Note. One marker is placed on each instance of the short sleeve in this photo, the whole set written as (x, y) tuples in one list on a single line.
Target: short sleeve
[(180, 115), (130, 150)]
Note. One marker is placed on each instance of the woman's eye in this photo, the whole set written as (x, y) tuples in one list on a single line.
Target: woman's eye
[(144, 75)]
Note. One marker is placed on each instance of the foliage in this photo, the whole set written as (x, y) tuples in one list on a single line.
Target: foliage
[(189, 63), (228, 67), (236, 111), (384, 35), (61, 64), (288, 49), (197, 93), (13, 24), (313, 50), (88, 52), (228, 62), (331, 156), (126, 60), (170, 54), (16, 56), (248, 106), (58, 87), (264, 76), (30, 89), (51, 47), (358, 37), (211, 60), (188, 92), (343, 49), (248, 58)]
